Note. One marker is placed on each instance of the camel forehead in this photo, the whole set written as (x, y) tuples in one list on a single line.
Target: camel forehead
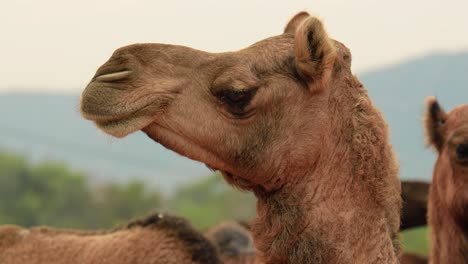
[(458, 116), (266, 53), (281, 46)]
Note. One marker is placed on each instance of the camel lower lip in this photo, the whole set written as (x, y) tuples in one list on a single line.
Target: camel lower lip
[(122, 127), (114, 76)]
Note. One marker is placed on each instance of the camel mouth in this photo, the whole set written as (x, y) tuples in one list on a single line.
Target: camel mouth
[(120, 113), (185, 147), (118, 124)]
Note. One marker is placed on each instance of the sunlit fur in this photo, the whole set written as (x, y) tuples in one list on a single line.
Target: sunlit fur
[(448, 198), (155, 239), (311, 146)]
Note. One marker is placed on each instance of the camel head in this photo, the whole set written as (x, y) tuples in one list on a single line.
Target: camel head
[(448, 134), (256, 114)]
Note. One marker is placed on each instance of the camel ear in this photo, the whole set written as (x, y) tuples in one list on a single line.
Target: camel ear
[(315, 53), (434, 120), (292, 25)]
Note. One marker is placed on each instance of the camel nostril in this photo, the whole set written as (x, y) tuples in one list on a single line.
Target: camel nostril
[(113, 76), (462, 151)]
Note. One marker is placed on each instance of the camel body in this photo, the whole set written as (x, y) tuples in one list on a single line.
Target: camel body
[(155, 240)]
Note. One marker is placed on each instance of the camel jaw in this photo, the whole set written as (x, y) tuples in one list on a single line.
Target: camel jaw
[(188, 148), (185, 147)]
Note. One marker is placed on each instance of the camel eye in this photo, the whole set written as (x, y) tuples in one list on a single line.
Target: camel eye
[(462, 151), (236, 100)]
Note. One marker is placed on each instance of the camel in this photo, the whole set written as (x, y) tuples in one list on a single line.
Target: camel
[(415, 198), (233, 242), (156, 239), (284, 118), (447, 133)]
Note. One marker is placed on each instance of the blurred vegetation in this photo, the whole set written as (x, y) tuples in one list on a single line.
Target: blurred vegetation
[(212, 200), (416, 240), (50, 193)]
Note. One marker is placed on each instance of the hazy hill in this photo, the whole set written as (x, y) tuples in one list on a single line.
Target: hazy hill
[(400, 92), (49, 126)]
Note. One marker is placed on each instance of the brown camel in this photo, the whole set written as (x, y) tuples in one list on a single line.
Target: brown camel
[(447, 133), (284, 118), (158, 239), (415, 198), (233, 242)]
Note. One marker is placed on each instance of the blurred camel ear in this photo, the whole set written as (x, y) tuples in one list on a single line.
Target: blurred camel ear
[(315, 53), (434, 120), (292, 25)]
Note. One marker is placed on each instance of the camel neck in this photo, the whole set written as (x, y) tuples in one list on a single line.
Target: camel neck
[(345, 209), (322, 222)]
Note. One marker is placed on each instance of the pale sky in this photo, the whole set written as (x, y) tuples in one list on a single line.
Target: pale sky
[(56, 45)]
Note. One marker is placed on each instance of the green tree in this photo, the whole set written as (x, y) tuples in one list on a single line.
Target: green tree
[(212, 200), (52, 194)]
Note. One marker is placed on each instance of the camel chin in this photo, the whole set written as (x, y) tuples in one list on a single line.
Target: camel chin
[(123, 127)]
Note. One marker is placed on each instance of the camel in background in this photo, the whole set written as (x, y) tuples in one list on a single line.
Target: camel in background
[(447, 133), (157, 239), (233, 242), (415, 198), (284, 118), (414, 213)]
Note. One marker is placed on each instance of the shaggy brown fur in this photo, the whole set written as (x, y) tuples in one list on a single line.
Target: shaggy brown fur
[(448, 198), (284, 118), (233, 242), (155, 239), (415, 198)]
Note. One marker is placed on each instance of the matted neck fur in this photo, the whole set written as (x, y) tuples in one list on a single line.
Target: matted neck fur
[(447, 133), (284, 118)]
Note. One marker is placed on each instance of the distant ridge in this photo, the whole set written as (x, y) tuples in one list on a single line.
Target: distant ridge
[(48, 126), (399, 91)]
